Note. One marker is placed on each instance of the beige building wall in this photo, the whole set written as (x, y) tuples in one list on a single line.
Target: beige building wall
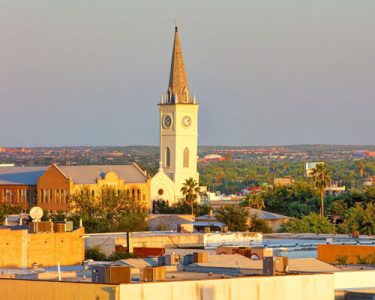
[(12, 248), (18, 248), (53, 290), (50, 248), (312, 287), (354, 279)]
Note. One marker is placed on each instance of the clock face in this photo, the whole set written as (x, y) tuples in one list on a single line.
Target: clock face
[(186, 121), (167, 121)]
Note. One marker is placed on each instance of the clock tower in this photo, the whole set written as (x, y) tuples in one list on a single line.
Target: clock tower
[(178, 125)]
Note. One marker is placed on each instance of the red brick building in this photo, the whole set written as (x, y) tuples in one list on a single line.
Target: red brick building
[(18, 185)]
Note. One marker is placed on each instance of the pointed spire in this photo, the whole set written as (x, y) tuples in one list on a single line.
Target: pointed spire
[(177, 78), (162, 98), (194, 99)]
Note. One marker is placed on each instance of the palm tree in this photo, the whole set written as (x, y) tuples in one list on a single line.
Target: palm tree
[(322, 179), (190, 189), (254, 201)]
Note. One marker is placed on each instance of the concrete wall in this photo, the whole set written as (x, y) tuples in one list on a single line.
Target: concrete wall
[(49, 248), (107, 241), (212, 240), (12, 250), (330, 253), (319, 287), (167, 240), (18, 248), (354, 279), (54, 290)]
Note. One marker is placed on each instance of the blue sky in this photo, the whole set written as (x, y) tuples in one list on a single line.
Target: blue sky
[(265, 72)]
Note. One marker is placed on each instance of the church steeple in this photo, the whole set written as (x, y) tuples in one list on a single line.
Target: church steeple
[(178, 89)]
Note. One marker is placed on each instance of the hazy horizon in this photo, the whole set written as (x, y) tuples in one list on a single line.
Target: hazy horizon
[(265, 72), (200, 145)]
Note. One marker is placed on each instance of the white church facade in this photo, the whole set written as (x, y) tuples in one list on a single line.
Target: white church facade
[(178, 134)]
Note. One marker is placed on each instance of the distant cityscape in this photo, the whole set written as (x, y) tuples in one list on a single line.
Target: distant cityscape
[(149, 155)]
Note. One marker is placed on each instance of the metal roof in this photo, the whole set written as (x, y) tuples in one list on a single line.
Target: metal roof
[(89, 174), (266, 215), (20, 175)]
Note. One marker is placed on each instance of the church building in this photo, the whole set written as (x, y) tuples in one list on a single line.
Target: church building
[(178, 133)]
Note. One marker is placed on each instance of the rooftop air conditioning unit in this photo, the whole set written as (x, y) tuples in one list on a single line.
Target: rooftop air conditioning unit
[(153, 274)]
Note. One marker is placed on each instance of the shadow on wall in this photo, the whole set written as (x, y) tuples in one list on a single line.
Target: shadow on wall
[(112, 291)]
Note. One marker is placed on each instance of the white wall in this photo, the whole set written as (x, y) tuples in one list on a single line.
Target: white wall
[(354, 279), (213, 240), (312, 287)]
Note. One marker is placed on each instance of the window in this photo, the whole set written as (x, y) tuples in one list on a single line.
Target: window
[(66, 196), (167, 157), (185, 94), (186, 157), (9, 195)]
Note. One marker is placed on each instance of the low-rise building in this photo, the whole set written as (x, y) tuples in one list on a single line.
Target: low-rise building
[(50, 187), (58, 182), (18, 185)]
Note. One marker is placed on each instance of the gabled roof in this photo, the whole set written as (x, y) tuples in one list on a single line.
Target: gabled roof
[(266, 215), (89, 174), (20, 175)]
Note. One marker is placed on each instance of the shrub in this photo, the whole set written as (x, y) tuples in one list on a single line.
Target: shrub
[(361, 260), (342, 259), (121, 255), (95, 253), (257, 225)]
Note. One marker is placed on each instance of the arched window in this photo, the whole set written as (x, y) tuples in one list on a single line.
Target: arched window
[(169, 96), (167, 157), (186, 157), (185, 94)]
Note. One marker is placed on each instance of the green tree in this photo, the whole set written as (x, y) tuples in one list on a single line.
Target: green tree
[(233, 216), (257, 225), (190, 189), (254, 201), (322, 178), (359, 218), (296, 200), (311, 223), (109, 210), (6, 209)]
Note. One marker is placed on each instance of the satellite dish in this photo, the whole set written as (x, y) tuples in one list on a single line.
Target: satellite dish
[(36, 213)]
